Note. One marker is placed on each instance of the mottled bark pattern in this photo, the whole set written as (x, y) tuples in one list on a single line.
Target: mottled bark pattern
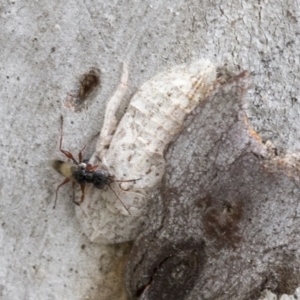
[(226, 224)]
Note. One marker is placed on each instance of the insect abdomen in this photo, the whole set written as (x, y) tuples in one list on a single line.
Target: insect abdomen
[(64, 168)]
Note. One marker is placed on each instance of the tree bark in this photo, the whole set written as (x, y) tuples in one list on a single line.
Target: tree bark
[(46, 48), (228, 221)]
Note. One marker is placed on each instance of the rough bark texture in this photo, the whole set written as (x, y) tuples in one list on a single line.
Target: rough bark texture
[(230, 212), (46, 46)]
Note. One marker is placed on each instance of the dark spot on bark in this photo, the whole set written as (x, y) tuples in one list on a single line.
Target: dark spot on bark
[(173, 273), (221, 218)]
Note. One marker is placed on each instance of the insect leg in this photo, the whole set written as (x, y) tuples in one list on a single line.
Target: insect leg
[(119, 199), (110, 121), (73, 192), (129, 180), (64, 182), (91, 168), (82, 195), (66, 153), (80, 154)]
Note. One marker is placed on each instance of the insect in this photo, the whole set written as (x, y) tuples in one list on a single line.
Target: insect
[(81, 172), (87, 84), (154, 117)]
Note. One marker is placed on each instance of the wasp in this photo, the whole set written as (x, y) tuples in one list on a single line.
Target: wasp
[(82, 173)]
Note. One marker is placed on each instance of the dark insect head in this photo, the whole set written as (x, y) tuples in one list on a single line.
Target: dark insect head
[(101, 179)]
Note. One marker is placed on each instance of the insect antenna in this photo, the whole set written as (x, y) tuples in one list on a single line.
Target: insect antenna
[(130, 180), (119, 199)]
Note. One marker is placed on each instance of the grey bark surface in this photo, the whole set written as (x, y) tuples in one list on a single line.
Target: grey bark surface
[(228, 226), (45, 48)]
